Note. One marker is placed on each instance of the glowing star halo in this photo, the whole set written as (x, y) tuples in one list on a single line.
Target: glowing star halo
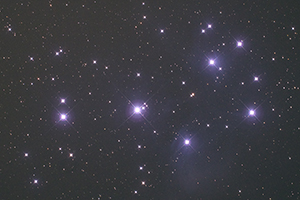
[(239, 43), (251, 112), (63, 117), (137, 110), (211, 62), (186, 142)]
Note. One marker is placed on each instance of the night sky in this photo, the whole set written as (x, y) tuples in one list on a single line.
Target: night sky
[(132, 99)]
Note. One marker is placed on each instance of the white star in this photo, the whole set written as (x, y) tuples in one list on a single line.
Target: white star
[(141, 168), (183, 82), (63, 117), (161, 30), (9, 29), (31, 58), (57, 53), (62, 101), (94, 62), (137, 110), (209, 26), (35, 181), (138, 74), (143, 182), (135, 192), (144, 17), (239, 43), (255, 78), (26, 154), (186, 142), (211, 62), (251, 112), (203, 30), (71, 155), (139, 146)]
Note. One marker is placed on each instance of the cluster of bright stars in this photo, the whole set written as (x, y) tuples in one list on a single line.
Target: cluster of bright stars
[(138, 110)]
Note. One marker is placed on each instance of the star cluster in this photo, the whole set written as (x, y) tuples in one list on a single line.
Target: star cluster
[(149, 100)]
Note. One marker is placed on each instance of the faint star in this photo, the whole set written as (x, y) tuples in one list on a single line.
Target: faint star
[(60, 50), (135, 192), (35, 181), (57, 53), (139, 146), (220, 68), (94, 62), (203, 30), (138, 74), (143, 182), (9, 29), (31, 58), (141, 168), (71, 155), (226, 126), (183, 82), (144, 17)]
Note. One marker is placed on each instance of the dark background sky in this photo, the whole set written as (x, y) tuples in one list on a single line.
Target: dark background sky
[(107, 57)]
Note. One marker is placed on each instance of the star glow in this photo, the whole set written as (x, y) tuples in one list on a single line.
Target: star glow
[(239, 43), (137, 110), (186, 142), (251, 112), (63, 117)]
